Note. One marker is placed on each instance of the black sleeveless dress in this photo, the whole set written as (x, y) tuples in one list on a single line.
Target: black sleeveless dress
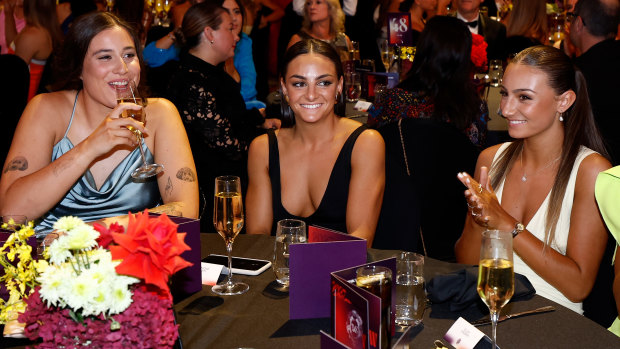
[(332, 210)]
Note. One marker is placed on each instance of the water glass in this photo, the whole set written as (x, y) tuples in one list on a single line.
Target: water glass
[(496, 72), (410, 290), (288, 231), (378, 281), (353, 86)]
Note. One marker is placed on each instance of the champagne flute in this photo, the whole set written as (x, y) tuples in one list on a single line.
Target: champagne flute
[(129, 94), (386, 55), (228, 221), (496, 278)]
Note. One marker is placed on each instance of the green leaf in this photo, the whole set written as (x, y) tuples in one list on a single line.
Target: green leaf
[(77, 317)]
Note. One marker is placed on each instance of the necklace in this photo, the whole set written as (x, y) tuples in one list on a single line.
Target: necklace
[(524, 177)]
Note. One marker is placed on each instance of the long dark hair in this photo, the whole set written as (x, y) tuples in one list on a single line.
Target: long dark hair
[(442, 69), (205, 14), (317, 47), (579, 126), (70, 61)]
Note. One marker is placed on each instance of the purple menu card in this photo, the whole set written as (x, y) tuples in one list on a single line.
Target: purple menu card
[(310, 266)]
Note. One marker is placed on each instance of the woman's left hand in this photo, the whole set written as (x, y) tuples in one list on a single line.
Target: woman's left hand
[(483, 205)]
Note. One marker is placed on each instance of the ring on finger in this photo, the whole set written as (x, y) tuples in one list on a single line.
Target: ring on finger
[(471, 207), (479, 188)]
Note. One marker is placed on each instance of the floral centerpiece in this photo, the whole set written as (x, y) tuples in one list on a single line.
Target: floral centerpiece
[(107, 288), (19, 270)]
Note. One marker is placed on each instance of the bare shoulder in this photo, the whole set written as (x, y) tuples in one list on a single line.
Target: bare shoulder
[(294, 39), (487, 155), (590, 167), (161, 111), (50, 111)]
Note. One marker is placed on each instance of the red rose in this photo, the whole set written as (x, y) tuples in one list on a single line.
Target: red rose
[(150, 250), (478, 51), (105, 234)]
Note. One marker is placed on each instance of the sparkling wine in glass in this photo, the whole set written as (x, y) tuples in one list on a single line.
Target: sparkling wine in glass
[(386, 55), (228, 221), (128, 93), (496, 278)]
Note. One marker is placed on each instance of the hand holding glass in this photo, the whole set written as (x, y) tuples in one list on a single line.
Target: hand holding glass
[(496, 279), (228, 221), (129, 94)]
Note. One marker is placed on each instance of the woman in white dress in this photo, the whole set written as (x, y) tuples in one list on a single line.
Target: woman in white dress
[(544, 180)]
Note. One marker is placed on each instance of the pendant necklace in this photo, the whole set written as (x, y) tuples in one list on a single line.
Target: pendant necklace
[(524, 177)]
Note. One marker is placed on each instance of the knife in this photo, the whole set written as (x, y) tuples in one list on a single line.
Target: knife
[(487, 320)]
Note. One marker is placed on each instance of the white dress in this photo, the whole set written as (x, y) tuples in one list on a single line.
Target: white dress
[(536, 227)]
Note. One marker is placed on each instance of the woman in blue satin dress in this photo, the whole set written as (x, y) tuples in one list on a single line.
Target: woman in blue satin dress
[(73, 154)]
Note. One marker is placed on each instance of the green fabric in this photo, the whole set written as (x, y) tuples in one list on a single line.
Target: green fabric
[(615, 327), (607, 192)]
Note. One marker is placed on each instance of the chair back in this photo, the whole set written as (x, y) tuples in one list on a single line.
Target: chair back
[(436, 151), (13, 98)]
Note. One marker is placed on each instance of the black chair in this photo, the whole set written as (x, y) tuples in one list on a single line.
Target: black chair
[(13, 98), (431, 198)]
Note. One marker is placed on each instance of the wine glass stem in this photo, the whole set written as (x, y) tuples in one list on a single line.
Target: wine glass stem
[(139, 138), (229, 251), (494, 319)]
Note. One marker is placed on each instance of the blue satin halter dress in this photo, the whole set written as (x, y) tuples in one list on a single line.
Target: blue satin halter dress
[(118, 195)]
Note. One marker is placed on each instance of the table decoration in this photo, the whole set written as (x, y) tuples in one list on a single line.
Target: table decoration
[(18, 276), (107, 287)]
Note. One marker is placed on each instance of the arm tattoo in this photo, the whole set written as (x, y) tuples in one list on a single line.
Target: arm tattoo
[(168, 190), (18, 163), (187, 175)]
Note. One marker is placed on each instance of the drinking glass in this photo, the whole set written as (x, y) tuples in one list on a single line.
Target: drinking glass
[(354, 51), (496, 72), (386, 55), (353, 86), (228, 221), (410, 291), (496, 278), (109, 5), (289, 231), (556, 27), (129, 94), (378, 281)]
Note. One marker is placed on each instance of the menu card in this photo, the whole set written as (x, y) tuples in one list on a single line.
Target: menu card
[(310, 265), (356, 313), (399, 29), (187, 281)]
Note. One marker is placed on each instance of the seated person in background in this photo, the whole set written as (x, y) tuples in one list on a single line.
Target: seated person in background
[(541, 186), (73, 154), (13, 13), (527, 26), (241, 67), (36, 42), (434, 124), (324, 169), (324, 20), (494, 32), (439, 84), (217, 122), (607, 193)]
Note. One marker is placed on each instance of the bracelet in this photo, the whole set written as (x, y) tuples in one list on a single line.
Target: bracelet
[(171, 36)]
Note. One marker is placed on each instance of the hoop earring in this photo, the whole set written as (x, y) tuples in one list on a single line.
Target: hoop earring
[(288, 117), (337, 97), (499, 112)]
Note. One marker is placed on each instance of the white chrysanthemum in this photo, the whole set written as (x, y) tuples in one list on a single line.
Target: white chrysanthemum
[(83, 237), (82, 290), (120, 298), (54, 283), (68, 223), (99, 304), (58, 250), (100, 256)]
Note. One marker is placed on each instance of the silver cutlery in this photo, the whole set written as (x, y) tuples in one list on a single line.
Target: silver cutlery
[(487, 321)]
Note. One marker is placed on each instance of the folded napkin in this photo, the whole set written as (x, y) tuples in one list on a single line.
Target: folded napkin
[(453, 295)]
